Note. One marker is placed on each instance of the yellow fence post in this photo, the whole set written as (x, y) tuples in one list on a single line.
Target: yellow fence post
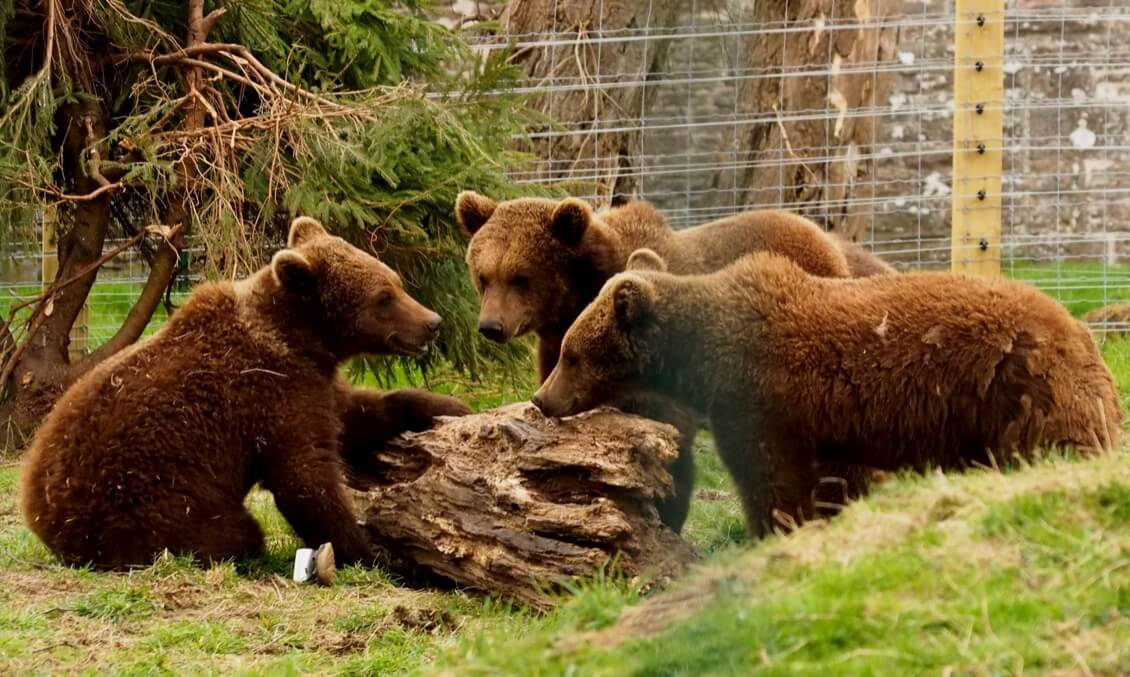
[(978, 135), (50, 261)]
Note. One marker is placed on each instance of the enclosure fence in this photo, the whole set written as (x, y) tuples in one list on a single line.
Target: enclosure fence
[(981, 135), (850, 113)]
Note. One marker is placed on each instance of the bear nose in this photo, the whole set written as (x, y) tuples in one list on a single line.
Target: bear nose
[(492, 329), (434, 324)]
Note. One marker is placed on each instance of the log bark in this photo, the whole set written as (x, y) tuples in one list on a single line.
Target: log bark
[(593, 85), (809, 149), (511, 503)]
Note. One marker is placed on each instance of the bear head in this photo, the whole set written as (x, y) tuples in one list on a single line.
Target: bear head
[(534, 262), (354, 301), (610, 347)]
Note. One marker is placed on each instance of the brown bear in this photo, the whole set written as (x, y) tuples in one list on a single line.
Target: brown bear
[(537, 263), (892, 371), (158, 446), (862, 262)]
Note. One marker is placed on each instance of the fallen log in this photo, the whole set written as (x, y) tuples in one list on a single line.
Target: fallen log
[(511, 503)]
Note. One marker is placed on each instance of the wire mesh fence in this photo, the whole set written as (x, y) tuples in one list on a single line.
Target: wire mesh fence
[(856, 99), (117, 288), (841, 110)]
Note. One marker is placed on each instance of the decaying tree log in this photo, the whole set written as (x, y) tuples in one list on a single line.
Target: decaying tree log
[(1113, 320), (510, 503)]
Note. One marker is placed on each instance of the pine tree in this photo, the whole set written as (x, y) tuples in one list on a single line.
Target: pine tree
[(174, 122)]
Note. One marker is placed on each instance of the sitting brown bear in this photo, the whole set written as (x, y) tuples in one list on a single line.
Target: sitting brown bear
[(158, 446), (892, 372), (537, 263)]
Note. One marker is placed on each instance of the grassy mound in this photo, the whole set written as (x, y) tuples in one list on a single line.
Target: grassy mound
[(979, 573)]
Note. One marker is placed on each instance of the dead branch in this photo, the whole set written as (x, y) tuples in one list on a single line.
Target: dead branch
[(234, 52), (43, 300), (161, 271), (209, 21), (82, 197)]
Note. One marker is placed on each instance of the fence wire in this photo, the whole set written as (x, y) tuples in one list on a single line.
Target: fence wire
[(1066, 150)]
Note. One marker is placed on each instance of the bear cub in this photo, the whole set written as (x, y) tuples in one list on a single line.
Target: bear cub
[(891, 372), (158, 446), (537, 263)]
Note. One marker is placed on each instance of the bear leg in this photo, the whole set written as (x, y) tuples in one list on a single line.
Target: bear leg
[(674, 509), (205, 529), (415, 409), (747, 460), (230, 534), (793, 488), (309, 490), (774, 480), (370, 418)]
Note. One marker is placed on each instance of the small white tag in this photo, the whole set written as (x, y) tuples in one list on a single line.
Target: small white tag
[(303, 564)]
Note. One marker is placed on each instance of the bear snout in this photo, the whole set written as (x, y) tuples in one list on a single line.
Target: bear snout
[(550, 406), (433, 324), (492, 329)]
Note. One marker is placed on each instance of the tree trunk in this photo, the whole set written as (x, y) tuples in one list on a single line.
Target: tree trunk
[(590, 87), (509, 502), (39, 371), (822, 165)]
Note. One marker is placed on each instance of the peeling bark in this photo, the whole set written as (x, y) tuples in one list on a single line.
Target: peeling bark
[(509, 502), (591, 87), (815, 166)]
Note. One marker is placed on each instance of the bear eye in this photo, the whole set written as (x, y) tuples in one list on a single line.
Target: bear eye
[(482, 282), (569, 359), (520, 281), (384, 299)]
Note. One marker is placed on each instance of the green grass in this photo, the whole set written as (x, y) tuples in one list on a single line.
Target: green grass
[(108, 304), (249, 617), (1027, 571), (982, 574), (1079, 285)]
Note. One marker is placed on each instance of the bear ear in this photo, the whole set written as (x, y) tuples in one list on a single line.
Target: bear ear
[(646, 259), (473, 210), (303, 229), (293, 271), (633, 299), (570, 220)]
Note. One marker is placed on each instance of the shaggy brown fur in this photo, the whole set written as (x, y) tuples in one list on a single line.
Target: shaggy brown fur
[(158, 447), (862, 262), (537, 263), (893, 371)]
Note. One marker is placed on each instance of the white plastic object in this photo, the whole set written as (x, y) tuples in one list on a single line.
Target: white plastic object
[(303, 564)]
